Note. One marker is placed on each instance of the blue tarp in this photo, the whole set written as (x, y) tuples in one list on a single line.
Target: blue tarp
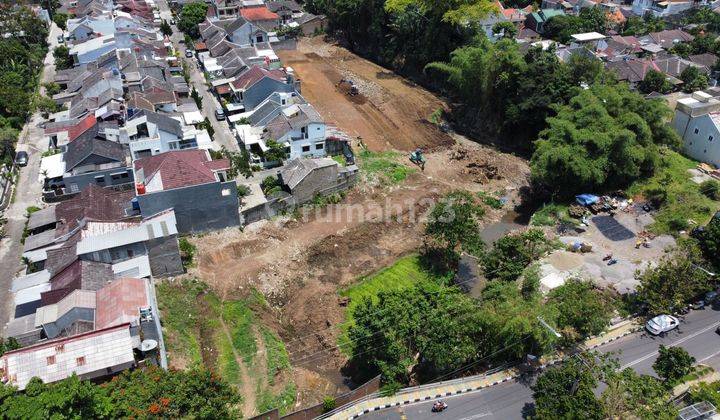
[(587, 199)]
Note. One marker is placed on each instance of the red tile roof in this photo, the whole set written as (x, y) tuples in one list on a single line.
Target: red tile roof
[(256, 73), (258, 13), (119, 302), (181, 168), (84, 125)]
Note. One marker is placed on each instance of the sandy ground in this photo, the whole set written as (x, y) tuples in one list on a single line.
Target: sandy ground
[(389, 112), (619, 276)]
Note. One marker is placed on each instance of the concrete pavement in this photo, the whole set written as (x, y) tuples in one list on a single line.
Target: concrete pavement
[(28, 191), (223, 136), (513, 399)]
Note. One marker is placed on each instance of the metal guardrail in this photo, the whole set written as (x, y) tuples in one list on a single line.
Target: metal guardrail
[(409, 390)]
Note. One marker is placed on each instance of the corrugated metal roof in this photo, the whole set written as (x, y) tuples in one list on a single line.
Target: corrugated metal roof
[(76, 299), (82, 354)]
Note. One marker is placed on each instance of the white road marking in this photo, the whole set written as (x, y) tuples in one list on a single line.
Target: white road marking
[(709, 357), (673, 344), (477, 416)]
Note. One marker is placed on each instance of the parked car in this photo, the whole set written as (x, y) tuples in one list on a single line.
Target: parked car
[(21, 158), (219, 114), (662, 324), (60, 39), (189, 53), (711, 297)]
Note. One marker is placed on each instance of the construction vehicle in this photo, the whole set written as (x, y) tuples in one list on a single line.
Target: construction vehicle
[(348, 86), (417, 158)]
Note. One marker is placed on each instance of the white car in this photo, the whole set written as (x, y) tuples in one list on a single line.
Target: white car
[(662, 324)]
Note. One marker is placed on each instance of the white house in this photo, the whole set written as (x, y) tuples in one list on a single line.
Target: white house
[(150, 133), (697, 121)]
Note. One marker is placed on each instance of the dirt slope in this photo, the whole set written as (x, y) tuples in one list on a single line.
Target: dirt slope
[(389, 112)]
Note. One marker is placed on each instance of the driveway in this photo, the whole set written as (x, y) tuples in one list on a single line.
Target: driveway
[(223, 136), (28, 191)]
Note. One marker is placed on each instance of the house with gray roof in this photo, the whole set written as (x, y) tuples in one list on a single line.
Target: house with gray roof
[(300, 128), (89, 159), (307, 178)]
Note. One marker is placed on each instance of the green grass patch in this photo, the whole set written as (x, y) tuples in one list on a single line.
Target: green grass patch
[(683, 205), (276, 354), (179, 307), (227, 364), (403, 274), (551, 214), (284, 401), (239, 318), (384, 167), (490, 200), (340, 159)]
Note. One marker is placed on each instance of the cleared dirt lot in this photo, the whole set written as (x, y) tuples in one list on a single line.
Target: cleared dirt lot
[(299, 265), (388, 113)]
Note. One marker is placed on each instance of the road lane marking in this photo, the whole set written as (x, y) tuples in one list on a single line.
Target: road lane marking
[(709, 357), (673, 344), (477, 416)]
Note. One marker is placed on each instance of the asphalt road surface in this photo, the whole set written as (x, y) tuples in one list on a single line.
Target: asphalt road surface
[(223, 136), (28, 190), (511, 400)]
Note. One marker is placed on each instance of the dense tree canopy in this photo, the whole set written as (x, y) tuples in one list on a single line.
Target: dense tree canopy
[(134, 394), (673, 363), (568, 391), (674, 281), (709, 242), (511, 254), (191, 15), (21, 60), (655, 81), (582, 310), (606, 137), (428, 329), (590, 19), (454, 226)]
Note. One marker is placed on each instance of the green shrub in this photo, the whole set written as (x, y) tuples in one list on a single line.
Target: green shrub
[(329, 404), (710, 189), (187, 252)]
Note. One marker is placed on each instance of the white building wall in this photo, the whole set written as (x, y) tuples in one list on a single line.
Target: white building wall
[(701, 137)]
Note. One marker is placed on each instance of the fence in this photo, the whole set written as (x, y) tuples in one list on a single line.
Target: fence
[(369, 388)]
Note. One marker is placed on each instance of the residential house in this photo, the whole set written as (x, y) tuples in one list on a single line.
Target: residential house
[(301, 128), (310, 24), (87, 160), (92, 49), (261, 16), (150, 133), (307, 178), (190, 183), (697, 122), (255, 85), (667, 38), (82, 29), (89, 356), (104, 225), (660, 8), (287, 10), (536, 20)]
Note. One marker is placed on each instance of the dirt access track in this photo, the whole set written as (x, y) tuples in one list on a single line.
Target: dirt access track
[(388, 113)]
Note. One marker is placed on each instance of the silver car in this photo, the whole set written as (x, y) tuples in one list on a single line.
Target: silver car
[(661, 324)]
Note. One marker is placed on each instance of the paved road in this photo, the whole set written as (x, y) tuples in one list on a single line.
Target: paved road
[(27, 193), (223, 136), (639, 351)]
